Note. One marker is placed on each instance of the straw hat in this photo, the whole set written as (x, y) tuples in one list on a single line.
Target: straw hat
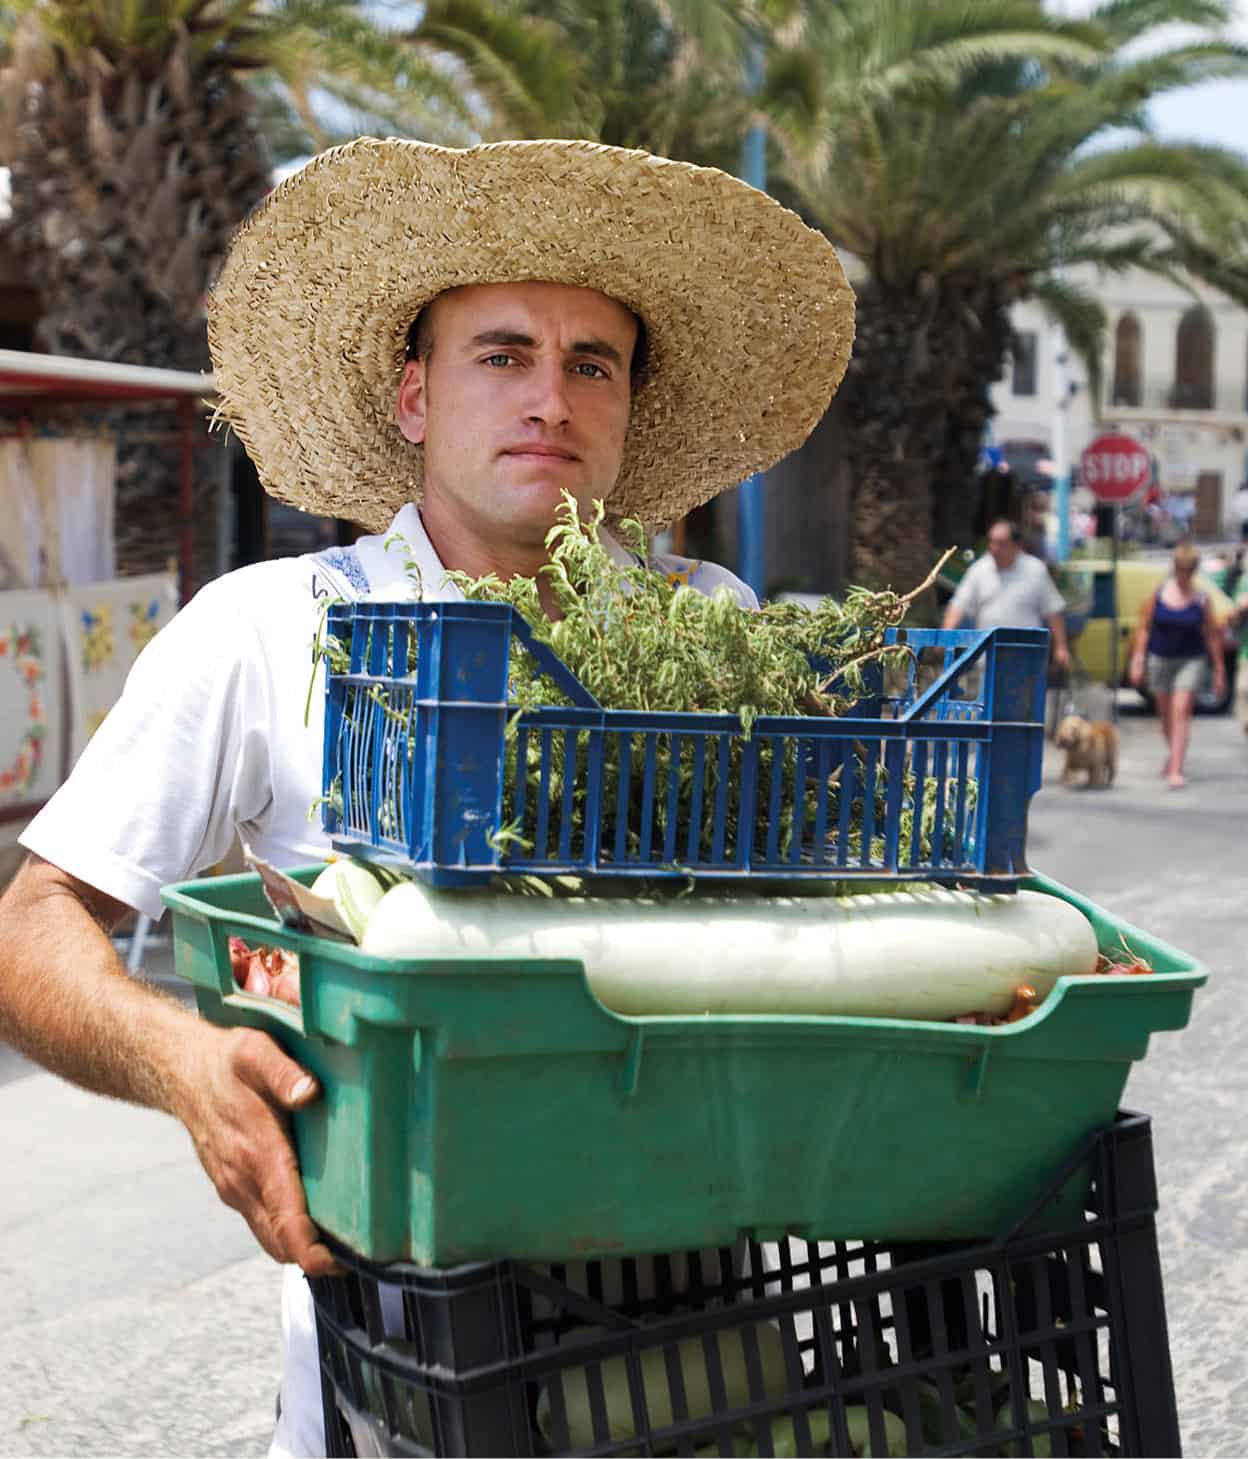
[(748, 313)]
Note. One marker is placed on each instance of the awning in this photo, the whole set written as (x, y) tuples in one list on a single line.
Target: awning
[(31, 379), (50, 378)]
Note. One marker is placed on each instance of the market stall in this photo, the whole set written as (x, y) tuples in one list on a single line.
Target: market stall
[(70, 627)]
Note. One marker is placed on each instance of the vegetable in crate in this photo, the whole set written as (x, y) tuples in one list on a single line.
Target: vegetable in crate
[(923, 953), (639, 641), (577, 1397)]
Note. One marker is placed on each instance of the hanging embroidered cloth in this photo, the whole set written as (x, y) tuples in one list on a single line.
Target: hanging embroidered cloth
[(32, 714), (106, 626)]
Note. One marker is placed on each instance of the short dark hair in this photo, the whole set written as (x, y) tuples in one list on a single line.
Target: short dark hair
[(1016, 535), (420, 343), (420, 336)]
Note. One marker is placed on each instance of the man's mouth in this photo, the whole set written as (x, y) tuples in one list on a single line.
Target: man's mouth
[(540, 453)]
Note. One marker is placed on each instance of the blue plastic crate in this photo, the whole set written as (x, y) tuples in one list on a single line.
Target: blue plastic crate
[(422, 757)]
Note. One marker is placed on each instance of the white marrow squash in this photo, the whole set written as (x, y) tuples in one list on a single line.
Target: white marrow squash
[(924, 953), (691, 1355)]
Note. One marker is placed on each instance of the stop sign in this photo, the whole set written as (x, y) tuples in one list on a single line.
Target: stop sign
[(1115, 468)]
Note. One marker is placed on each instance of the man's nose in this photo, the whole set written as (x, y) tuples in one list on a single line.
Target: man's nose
[(549, 401)]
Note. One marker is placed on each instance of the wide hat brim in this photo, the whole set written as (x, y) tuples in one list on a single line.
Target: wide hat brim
[(749, 316)]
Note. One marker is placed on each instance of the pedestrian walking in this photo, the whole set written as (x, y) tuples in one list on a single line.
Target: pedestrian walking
[(1009, 588), (1239, 622), (438, 344), (1175, 638)]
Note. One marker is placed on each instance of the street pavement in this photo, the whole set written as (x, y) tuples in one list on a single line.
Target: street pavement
[(138, 1318)]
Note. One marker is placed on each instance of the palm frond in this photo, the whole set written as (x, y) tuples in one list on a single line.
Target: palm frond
[(1083, 320)]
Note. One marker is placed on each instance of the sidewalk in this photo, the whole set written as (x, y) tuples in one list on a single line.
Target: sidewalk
[(139, 1317)]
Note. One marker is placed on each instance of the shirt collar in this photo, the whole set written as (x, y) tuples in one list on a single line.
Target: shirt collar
[(401, 562), (402, 557)]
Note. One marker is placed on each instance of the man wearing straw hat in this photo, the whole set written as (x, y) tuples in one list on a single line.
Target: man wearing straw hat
[(436, 344)]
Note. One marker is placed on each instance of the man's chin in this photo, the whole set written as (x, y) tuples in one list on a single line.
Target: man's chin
[(539, 503)]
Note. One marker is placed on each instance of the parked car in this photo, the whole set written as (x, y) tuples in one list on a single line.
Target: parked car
[(1085, 585)]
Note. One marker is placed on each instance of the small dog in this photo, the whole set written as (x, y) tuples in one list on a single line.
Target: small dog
[(1090, 745)]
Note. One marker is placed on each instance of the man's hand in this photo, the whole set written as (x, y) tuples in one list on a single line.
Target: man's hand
[(235, 1103), (1061, 655), (66, 1001)]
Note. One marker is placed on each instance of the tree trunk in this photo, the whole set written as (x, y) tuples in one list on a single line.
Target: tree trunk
[(890, 541), (895, 411), (917, 402), (979, 341), (126, 190)]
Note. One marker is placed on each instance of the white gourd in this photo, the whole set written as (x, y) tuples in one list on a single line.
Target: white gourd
[(355, 891), (923, 953)]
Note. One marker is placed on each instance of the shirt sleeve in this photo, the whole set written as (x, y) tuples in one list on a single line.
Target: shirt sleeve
[(176, 764), (968, 594)]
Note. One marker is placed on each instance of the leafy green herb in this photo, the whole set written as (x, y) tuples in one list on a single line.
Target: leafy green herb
[(640, 641)]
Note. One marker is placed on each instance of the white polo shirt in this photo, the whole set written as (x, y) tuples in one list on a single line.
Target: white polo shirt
[(1022, 595)]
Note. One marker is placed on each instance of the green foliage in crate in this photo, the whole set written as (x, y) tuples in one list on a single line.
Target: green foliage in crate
[(637, 639)]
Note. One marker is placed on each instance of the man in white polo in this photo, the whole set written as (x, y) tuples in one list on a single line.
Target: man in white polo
[(437, 344), (1009, 588)]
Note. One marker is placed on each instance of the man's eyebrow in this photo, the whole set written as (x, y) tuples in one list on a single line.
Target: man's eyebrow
[(600, 347), (502, 336)]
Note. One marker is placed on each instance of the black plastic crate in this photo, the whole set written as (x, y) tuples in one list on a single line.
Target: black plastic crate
[(1036, 1343)]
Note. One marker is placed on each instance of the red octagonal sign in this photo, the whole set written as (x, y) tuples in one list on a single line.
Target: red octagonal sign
[(1115, 468)]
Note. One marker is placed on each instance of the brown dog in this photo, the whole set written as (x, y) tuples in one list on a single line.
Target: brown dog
[(1090, 745)]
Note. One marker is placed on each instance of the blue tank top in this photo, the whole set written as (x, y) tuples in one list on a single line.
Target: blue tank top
[(1178, 633)]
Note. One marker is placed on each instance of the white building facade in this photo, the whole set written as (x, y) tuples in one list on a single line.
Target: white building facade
[(1175, 377)]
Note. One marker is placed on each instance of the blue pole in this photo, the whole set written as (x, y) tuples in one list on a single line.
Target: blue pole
[(750, 493), (1062, 504)]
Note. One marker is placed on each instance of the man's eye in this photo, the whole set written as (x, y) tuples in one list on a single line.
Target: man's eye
[(591, 371), (499, 359)]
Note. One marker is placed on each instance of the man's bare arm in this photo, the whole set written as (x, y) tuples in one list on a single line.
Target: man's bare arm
[(1057, 629), (67, 1002)]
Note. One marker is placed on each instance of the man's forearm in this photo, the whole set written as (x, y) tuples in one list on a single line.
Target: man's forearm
[(67, 1002), (1057, 627)]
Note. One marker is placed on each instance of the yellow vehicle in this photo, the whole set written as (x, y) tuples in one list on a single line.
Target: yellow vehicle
[(1085, 584)]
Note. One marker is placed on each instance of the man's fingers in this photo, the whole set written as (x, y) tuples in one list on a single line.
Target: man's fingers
[(270, 1072), (240, 1126)]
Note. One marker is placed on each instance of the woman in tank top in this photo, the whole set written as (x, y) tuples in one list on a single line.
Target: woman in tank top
[(1174, 637)]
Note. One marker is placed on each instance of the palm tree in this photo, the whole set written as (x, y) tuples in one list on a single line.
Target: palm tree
[(138, 137), (971, 191), (666, 77)]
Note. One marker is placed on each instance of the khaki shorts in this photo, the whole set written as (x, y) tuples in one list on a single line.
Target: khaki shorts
[(1174, 676)]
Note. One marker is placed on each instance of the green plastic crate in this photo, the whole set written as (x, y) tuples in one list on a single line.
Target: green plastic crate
[(476, 1109)]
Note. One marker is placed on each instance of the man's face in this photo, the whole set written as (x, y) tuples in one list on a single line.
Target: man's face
[(1002, 546), (525, 394)]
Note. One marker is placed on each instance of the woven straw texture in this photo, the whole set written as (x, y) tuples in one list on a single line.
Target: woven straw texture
[(749, 314)]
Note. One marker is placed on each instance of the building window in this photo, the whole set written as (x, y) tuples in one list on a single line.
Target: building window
[(1193, 361), (1127, 354), (1024, 352)]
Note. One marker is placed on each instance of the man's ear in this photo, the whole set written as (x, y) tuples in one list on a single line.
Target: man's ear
[(410, 403)]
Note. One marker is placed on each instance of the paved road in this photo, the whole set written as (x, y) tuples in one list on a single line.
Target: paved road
[(138, 1319)]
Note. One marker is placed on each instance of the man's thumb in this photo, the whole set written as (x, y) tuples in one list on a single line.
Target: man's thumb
[(301, 1090), (292, 1084)]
